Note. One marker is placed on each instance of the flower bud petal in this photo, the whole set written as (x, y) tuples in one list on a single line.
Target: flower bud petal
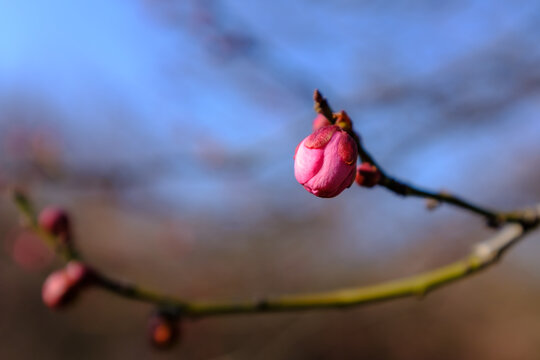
[(321, 137), (320, 121), (307, 162), (347, 150)]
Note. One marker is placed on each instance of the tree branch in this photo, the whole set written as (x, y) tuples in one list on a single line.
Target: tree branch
[(402, 188), (483, 255)]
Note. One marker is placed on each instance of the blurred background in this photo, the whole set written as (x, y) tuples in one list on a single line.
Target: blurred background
[(167, 129)]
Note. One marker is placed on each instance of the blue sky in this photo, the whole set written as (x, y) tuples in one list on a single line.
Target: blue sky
[(120, 76), (119, 51)]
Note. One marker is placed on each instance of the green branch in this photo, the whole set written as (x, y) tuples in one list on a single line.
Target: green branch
[(484, 254)]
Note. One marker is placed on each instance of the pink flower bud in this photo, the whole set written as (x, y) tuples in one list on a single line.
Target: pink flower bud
[(163, 330), (56, 289), (61, 286), (367, 175), (325, 161), (320, 121), (55, 221)]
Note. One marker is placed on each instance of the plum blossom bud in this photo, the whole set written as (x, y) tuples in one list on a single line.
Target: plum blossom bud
[(367, 175), (325, 161), (163, 330), (320, 121), (62, 285), (55, 221), (56, 289)]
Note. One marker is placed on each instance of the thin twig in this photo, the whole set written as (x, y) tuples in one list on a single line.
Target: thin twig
[(402, 188)]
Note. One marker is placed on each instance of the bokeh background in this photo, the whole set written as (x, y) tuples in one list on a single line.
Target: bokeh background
[(167, 128)]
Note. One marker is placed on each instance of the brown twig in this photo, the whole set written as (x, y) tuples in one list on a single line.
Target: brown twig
[(402, 188)]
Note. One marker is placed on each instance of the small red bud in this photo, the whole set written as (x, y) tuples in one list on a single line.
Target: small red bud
[(55, 221), (367, 175), (61, 286), (56, 289), (163, 330)]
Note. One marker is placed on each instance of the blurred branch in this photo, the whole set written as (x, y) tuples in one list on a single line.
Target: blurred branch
[(484, 254)]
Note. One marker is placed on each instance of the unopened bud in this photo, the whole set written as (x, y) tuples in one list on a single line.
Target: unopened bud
[(367, 175), (163, 330), (61, 286), (325, 161), (55, 221), (56, 289)]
